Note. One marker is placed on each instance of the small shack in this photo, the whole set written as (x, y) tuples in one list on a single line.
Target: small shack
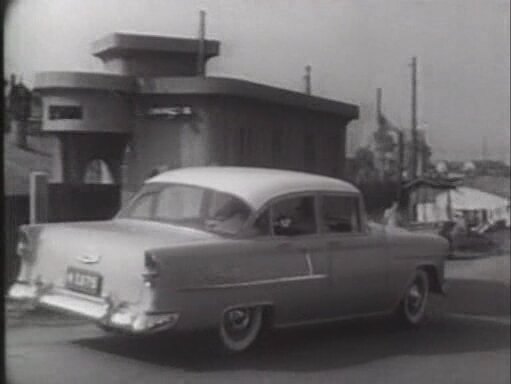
[(477, 207), (419, 197)]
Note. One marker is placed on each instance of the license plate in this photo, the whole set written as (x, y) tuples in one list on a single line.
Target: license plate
[(83, 281)]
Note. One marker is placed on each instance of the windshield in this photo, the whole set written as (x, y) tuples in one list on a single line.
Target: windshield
[(188, 206)]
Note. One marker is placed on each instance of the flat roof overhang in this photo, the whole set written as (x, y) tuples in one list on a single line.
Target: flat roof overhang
[(245, 89), (84, 81), (129, 44), (204, 86)]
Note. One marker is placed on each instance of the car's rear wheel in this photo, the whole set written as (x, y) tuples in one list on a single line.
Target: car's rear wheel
[(412, 309), (240, 328)]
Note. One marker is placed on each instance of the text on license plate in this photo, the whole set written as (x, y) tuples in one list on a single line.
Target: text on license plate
[(83, 281)]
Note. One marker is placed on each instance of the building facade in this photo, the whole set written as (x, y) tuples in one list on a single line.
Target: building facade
[(150, 111)]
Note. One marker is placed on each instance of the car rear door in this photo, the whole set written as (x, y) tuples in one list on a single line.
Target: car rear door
[(358, 258)]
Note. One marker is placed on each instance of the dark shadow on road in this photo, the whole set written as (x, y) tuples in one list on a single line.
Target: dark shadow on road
[(485, 298), (337, 345)]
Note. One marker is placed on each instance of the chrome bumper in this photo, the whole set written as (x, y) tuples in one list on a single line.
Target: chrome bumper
[(102, 310)]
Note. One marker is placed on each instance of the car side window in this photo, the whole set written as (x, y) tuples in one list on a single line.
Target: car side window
[(179, 202), (339, 214), (261, 226), (294, 216)]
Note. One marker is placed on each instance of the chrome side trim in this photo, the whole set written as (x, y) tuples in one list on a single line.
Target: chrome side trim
[(253, 283), (416, 257), (310, 267), (332, 319)]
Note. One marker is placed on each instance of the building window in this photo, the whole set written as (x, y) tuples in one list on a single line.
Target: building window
[(68, 112)]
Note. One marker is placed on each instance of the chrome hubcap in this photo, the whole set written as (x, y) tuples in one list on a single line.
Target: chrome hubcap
[(415, 298), (238, 319)]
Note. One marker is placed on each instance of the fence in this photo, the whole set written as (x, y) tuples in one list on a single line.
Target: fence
[(16, 213)]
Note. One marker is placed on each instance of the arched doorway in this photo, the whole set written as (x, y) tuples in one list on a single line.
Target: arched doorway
[(97, 171)]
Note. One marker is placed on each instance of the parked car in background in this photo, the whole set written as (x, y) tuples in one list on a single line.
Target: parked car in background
[(233, 249)]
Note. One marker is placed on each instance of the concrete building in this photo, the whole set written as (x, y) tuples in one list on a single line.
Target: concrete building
[(150, 111)]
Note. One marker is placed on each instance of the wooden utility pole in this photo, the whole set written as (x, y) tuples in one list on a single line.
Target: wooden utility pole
[(401, 157), (202, 42), (414, 118), (308, 80)]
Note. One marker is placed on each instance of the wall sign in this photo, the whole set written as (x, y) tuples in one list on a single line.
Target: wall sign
[(68, 112), (167, 112)]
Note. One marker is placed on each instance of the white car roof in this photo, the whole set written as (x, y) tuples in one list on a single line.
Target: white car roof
[(254, 185)]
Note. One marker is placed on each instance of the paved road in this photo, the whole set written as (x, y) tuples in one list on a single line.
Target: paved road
[(467, 340)]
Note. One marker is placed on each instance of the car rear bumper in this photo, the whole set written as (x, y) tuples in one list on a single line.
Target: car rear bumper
[(102, 310)]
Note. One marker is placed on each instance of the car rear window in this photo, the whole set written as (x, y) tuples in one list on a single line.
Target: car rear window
[(190, 206), (179, 202)]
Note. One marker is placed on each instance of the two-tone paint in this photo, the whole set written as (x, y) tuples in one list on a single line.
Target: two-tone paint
[(199, 275)]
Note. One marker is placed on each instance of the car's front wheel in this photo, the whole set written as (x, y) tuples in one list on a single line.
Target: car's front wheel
[(240, 327), (412, 309)]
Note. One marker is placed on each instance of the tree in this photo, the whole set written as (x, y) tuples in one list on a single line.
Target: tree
[(19, 109), (364, 166)]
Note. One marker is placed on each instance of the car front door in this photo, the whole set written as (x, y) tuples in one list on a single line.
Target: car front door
[(358, 257)]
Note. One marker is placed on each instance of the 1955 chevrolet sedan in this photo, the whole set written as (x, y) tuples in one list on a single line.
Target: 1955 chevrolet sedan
[(235, 249)]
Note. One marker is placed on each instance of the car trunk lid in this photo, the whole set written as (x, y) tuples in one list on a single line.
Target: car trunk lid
[(103, 258)]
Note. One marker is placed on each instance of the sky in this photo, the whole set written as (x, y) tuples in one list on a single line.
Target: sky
[(353, 46)]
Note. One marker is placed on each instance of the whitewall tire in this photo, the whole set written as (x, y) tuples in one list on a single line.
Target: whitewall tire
[(240, 328), (412, 309)]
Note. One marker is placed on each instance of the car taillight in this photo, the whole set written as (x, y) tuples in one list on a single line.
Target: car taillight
[(151, 269), (23, 246)]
